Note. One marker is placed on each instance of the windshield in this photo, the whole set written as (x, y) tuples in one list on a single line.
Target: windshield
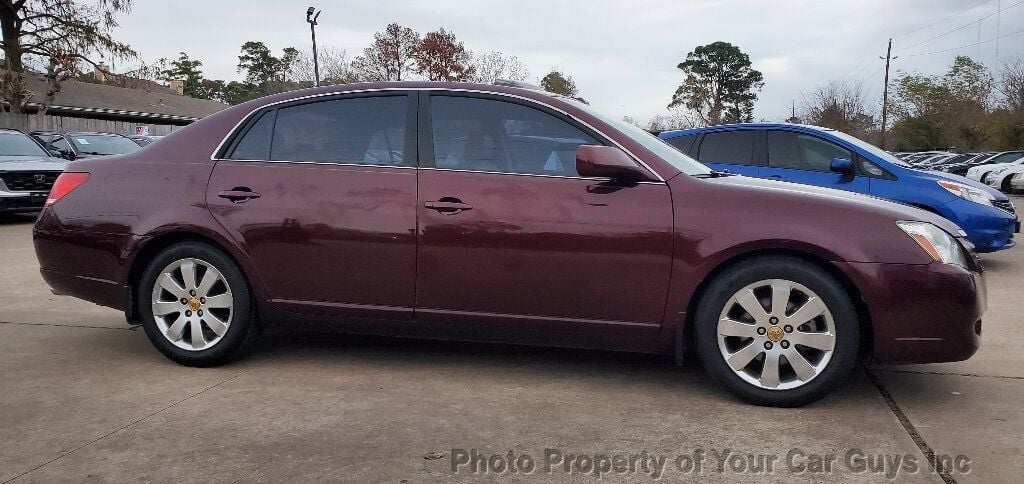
[(870, 148), (91, 144), (671, 155), (19, 144), (1006, 157)]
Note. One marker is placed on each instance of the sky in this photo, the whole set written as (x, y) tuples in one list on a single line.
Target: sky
[(621, 54)]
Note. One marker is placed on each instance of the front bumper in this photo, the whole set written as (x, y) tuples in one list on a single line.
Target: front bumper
[(989, 228), (14, 202), (921, 313)]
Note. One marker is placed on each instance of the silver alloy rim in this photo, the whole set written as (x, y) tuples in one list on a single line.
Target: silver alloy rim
[(776, 334), (192, 304)]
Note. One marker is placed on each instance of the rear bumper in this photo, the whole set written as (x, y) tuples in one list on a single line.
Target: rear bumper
[(921, 313), (89, 266)]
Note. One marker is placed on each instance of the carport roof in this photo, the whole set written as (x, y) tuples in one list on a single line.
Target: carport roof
[(82, 99)]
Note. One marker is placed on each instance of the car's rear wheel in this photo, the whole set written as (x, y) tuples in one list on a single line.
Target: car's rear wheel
[(777, 331), (195, 305)]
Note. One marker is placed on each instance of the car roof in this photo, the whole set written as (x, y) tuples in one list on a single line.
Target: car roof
[(740, 126)]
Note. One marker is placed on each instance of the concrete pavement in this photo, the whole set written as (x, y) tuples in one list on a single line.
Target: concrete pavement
[(83, 397)]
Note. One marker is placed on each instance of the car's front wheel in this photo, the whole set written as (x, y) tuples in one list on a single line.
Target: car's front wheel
[(195, 305), (777, 331)]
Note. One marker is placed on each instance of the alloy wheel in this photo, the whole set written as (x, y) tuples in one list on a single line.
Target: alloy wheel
[(776, 334), (192, 304)]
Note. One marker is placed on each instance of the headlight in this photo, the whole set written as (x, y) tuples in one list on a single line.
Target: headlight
[(941, 246), (967, 193)]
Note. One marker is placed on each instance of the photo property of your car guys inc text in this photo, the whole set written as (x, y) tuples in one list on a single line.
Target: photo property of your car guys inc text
[(465, 241)]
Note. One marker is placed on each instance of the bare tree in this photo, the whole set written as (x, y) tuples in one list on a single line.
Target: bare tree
[(1010, 84), (674, 119), (335, 67), (839, 105), (494, 65), (390, 57), (62, 34)]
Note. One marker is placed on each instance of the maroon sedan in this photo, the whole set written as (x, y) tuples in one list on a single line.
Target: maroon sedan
[(495, 213)]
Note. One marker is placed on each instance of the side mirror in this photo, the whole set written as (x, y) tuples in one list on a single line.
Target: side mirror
[(842, 166), (608, 162)]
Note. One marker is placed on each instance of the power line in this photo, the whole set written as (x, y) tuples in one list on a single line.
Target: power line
[(972, 7), (960, 27), (966, 46)]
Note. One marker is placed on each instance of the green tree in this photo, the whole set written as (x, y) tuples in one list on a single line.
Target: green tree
[(186, 70), (264, 73), (943, 112), (720, 84), (62, 34), (559, 83)]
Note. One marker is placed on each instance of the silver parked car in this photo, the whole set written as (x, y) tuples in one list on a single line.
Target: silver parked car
[(27, 171)]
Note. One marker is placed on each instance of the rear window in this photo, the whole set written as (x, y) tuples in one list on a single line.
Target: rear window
[(731, 148), (91, 144)]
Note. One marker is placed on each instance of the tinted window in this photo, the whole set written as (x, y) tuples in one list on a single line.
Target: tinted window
[(733, 147), (800, 151), (489, 135), (18, 144), (368, 130), (255, 144), (682, 143)]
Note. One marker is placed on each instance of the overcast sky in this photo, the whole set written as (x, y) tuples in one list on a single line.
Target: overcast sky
[(622, 54)]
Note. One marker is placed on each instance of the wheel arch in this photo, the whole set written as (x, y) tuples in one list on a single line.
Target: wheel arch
[(686, 337), (157, 244)]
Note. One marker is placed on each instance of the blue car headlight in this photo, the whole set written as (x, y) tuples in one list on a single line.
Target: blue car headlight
[(967, 192)]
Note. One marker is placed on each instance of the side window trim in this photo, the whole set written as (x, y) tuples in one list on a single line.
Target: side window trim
[(425, 129)]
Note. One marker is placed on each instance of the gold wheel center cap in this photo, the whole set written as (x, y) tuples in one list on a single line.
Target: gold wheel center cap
[(194, 304), (775, 334)]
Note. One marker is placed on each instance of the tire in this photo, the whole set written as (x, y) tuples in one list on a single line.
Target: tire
[(719, 342), (1005, 185), (226, 327)]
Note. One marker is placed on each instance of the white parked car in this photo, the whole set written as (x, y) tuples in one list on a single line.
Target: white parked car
[(1017, 183), (979, 172), (1001, 177)]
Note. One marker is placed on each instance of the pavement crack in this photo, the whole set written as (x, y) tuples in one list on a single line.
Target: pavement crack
[(129, 328), (949, 373), (108, 434), (908, 426)]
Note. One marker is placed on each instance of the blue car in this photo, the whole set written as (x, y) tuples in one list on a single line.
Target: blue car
[(820, 156)]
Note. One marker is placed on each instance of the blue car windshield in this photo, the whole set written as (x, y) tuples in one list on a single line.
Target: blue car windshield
[(870, 148), (666, 152)]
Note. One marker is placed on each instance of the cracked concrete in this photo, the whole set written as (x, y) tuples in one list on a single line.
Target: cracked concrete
[(85, 398)]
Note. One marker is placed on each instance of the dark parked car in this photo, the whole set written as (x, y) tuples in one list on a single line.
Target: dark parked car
[(27, 172), (505, 214), (84, 145)]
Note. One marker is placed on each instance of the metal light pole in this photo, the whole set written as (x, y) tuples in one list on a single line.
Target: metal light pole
[(311, 15)]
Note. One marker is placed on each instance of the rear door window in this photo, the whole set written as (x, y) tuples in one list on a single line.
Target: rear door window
[(365, 130), (730, 148), (255, 144)]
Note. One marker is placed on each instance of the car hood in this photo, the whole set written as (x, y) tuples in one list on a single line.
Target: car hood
[(844, 201), (940, 175), (32, 163)]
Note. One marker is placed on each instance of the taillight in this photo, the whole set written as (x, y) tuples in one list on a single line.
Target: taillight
[(64, 184)]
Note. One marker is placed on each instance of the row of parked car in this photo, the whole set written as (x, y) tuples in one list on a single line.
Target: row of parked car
[(1002, 170), (30, 162)]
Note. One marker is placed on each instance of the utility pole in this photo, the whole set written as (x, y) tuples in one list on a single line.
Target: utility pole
[(311, 18), (885, 90)]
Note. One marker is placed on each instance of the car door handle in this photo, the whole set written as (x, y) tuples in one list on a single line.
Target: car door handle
[(238, 194), (448, 205)]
